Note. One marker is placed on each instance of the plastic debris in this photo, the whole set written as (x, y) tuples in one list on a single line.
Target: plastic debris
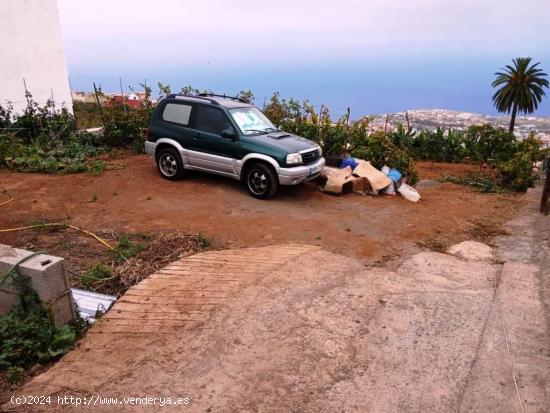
[(389, 190), (394, 175), (90, 305), (408, 192), (351, 162)]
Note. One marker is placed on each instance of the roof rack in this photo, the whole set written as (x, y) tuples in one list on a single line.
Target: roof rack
[(222, 96), (180, 95)]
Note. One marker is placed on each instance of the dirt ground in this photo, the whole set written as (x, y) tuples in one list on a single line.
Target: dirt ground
[(294, 328), (309, 316), (134, 199)]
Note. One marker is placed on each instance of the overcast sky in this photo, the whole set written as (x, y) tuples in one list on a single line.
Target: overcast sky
[(126, 37)]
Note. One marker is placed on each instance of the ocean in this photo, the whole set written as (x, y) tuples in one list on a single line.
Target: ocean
[(369, 87)]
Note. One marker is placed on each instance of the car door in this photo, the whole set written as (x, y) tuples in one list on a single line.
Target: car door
[(210, 150)]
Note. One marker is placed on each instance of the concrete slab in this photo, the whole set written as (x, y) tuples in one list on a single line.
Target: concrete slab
[(290, 329)]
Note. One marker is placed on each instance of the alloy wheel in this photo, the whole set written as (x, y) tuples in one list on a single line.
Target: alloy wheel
[(258, 182), (168, 165)]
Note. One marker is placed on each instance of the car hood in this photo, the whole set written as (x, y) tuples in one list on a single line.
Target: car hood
[(280, 141)]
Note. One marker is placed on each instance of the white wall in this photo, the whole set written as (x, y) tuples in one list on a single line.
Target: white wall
[(31, 47)]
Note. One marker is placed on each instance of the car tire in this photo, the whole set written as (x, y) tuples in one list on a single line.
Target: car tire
[(261, 181), (169, 164)]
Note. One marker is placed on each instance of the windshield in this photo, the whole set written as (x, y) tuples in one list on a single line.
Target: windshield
[(251, 121)]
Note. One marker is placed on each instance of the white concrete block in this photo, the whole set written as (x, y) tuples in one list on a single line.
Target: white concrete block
[(47, 277)]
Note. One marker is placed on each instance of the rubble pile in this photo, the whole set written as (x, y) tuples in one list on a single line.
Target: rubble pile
[(360, 176)]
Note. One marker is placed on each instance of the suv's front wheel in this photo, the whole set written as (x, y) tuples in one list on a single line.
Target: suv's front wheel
[(261, 181), (169, 164)]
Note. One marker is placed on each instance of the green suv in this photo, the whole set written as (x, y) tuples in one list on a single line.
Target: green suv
[(229, 137)]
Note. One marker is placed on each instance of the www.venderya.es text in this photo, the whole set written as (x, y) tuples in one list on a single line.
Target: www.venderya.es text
[(99, 400)]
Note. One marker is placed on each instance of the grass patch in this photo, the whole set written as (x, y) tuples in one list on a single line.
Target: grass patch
[(44, 224), (125, 249), (478, 181), (204, 242), (135, 257), (97, 275)]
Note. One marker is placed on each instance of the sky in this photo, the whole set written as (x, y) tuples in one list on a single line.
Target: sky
[(373, 56)]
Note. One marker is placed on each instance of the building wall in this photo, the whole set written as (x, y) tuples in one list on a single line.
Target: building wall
[(31, 47)]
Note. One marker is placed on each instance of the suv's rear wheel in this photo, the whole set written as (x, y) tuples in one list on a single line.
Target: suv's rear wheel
[(169, 164), (261, 181)]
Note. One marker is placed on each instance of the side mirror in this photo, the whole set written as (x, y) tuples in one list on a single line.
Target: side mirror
[(230, 134)]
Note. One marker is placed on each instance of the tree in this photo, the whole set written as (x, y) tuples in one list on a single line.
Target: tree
[(520, 88), (246, 95)]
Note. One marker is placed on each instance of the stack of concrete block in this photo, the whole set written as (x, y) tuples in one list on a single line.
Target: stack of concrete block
[(47, 277)]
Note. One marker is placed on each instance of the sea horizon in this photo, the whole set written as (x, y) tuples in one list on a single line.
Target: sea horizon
[(387, 86)]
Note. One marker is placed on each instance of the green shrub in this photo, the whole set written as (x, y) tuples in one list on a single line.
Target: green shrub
[(298, 118), (531, 146), (517, 173), (487, 144), (27, 332), (402, 137), (5, 117), (380, 151), (126, 128), (43, 122), (74, 154), (10, 147)]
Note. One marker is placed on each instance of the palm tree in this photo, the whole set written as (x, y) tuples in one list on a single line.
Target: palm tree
[(521, 88)]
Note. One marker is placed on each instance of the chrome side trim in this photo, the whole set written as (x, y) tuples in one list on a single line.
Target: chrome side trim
[(214, 171), (150, 148)]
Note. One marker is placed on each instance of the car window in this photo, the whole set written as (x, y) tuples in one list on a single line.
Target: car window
[(177, 113), (212, 120), (251, 121)]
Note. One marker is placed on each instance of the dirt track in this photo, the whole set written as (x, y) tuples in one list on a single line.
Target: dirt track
[(311, 331), (136, 199)]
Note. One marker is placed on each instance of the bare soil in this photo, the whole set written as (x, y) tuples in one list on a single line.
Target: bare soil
[(297, 328), (134, 199)]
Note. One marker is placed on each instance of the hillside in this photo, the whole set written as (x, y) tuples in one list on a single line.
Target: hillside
[(432, 118)]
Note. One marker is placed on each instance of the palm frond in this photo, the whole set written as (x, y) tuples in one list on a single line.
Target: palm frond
[(520, 86)]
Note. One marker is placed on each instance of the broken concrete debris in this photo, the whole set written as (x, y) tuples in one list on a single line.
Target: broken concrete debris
[(358, 175)]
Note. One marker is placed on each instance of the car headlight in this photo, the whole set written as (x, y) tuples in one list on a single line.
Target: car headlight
[(320, 150), (293, 158)]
